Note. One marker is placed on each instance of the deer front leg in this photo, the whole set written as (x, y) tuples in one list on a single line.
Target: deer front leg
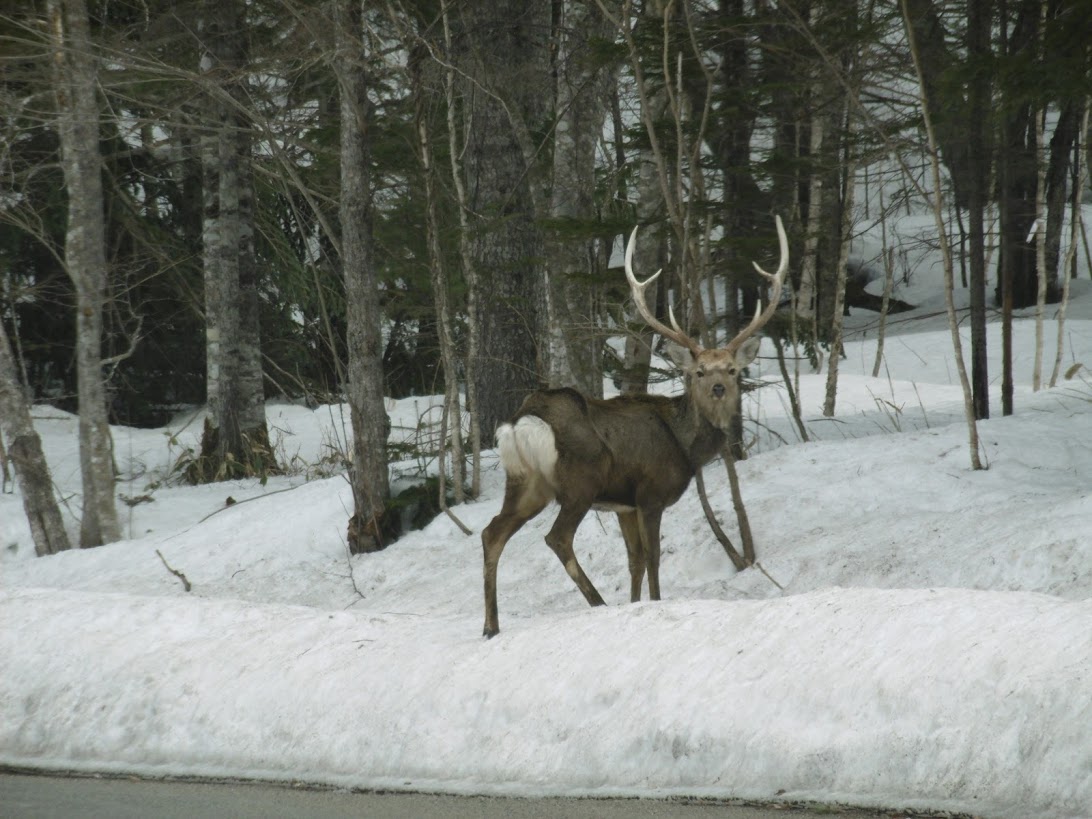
[(560, 539), (649, 521), (631, 533)]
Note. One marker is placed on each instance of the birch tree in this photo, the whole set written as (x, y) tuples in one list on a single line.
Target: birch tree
[(25, 452), (974, 444), (575, 339), (75, 77), (236, 439), (368, 529)]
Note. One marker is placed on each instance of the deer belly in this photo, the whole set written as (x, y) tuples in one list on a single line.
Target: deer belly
[(644, 488), (610, 506)]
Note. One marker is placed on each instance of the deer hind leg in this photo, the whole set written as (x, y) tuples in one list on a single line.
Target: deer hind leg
[(631, 533), (560, 539), (522, 501), (649, 523)]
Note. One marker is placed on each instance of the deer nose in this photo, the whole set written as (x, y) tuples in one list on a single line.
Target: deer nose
[(718, 390)]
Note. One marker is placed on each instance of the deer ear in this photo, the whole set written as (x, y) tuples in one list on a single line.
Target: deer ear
[(682, 357), (747, 351)]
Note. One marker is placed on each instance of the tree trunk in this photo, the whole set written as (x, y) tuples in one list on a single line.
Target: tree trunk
[(978, 169), (1079, 179), (369, 528), (503, 51), (470, 273), (574, 354), (1017, 169), (85, 258), (938, 64), (31, 470), (783, 47), (807, 295), (829, 237), (652, 207), (235, 442), (439, 280), (945, 245), (1058, 172), (730, 142), (648, 256), (845, 236)]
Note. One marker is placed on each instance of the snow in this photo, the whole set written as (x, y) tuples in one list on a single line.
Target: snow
[(930, 647)]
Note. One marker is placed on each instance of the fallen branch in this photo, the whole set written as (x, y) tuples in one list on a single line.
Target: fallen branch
[(466, 529), (761, 569), (185, 582)]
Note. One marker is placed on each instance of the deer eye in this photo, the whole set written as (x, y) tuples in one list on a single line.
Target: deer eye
[(731, 371), (699, 373)]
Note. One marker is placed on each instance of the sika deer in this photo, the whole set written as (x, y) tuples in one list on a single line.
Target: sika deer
[(633, 455)]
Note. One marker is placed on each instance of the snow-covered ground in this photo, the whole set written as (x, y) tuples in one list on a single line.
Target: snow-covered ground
[(931, 646)]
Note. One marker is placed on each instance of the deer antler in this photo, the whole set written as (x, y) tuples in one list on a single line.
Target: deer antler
[(674, 332), (776, 280)]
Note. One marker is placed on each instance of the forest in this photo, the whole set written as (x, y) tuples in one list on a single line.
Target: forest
[(218, 202)]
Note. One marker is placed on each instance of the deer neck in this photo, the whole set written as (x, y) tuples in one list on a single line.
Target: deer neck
[(701, 440)]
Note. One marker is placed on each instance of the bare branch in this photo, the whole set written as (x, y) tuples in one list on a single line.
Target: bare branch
[(185, 582)]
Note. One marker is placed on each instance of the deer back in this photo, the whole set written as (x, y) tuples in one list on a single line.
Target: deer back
[(638, 450)]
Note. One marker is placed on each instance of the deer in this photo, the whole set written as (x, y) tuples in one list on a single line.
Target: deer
[(633, 455)]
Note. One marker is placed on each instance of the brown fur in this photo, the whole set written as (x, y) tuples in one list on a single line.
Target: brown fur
[(633, 454)]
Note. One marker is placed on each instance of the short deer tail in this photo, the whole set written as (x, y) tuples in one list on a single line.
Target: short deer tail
[(527, 448)]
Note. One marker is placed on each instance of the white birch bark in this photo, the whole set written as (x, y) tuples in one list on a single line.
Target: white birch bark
[(974, 446), (25, 452), (470, 272), (575, 341), (845, 234), (236, 439), (369, 529), (1076, 216), (75, 73)]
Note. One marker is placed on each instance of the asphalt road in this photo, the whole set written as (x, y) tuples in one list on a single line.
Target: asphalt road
[(24, 796)]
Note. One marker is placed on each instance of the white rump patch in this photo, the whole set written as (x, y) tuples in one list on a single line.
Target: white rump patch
[(527, 447)]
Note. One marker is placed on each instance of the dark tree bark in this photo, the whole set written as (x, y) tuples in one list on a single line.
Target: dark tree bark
[(828, 163), (744, 206), (947, 98), (235, 442), (978, 172), (368, 529), (782, 45), (1065, 135), (85, 258), (503, 51), (438, 277), (1018, 164)]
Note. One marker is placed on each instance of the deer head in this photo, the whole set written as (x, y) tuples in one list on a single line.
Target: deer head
[(712, 376), (634, 454)]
